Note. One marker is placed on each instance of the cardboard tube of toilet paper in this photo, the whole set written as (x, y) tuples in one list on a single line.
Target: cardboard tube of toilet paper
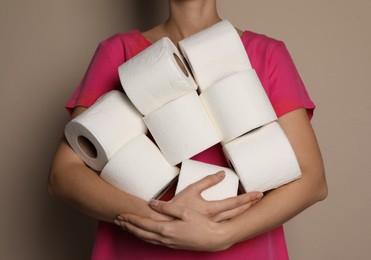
[(97, 133), (214, 53), (263, 158), (238, 104), (193, 171), (140, 169), (156, 76), (182, 128)]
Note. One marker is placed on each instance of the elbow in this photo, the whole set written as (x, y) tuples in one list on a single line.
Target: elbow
[(321, 189), (51, 185)]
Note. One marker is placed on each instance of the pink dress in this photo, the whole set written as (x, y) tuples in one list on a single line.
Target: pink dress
[(286, 92)]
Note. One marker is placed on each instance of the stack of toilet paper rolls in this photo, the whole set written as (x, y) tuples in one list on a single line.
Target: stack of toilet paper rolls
[(235, 102), (110, 137), (238, 111)]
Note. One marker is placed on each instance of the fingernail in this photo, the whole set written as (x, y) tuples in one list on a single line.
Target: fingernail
[(154, 203), (117, 222), (260, 195), (120, 218), (220, 174)]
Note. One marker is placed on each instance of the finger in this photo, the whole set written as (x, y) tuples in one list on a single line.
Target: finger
[(158, 232), (147, 224), (170, 209), (144, 234), (154, 242), (226, 215), (207, 181), (235, 202), (117, 222)]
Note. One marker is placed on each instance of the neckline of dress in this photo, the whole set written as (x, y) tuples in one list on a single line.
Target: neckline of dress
[(150, 43)]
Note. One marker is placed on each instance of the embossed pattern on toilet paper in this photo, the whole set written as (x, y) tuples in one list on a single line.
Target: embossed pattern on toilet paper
[(192, 171), (140, 169), (238, 104), (263, 159), (182, 128)]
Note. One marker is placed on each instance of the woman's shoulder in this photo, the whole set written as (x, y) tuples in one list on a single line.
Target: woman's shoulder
[(252, 37), (263, 49), (256, 40), (124, 44), (121, 38)]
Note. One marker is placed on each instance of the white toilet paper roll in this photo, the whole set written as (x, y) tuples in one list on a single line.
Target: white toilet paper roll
[(263, 158), (140, 169), (182, 128), (214, 53), (238, 104), (156, 76), (193, 171), (101, 130)]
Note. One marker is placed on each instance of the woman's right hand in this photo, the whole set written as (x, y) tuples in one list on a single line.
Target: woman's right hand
[(218, 210)]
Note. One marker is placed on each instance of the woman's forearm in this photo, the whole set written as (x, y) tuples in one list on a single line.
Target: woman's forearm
[(276, 208), (281, 204), (75, 183)]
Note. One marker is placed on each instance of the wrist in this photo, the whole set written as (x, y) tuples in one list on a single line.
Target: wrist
[(228, 235), (222, 236)]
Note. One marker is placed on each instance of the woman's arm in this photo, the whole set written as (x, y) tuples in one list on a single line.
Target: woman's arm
[(196, 232)]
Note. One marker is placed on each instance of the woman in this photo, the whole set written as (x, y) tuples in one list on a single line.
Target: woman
[(225, 229)]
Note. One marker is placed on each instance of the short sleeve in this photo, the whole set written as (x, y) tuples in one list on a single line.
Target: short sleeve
[(286, 89), (100, 77)]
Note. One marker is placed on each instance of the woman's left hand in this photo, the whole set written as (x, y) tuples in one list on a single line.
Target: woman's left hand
[(189, 230)]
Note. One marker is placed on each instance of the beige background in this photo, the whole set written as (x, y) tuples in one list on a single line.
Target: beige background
[(45, 47)]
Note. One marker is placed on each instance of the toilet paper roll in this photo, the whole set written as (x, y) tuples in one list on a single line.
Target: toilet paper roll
[(140, 169), (193, 171), (238, 104), (156, 76), (214, 53), (263, 159), (102, 129), (182, 128)]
